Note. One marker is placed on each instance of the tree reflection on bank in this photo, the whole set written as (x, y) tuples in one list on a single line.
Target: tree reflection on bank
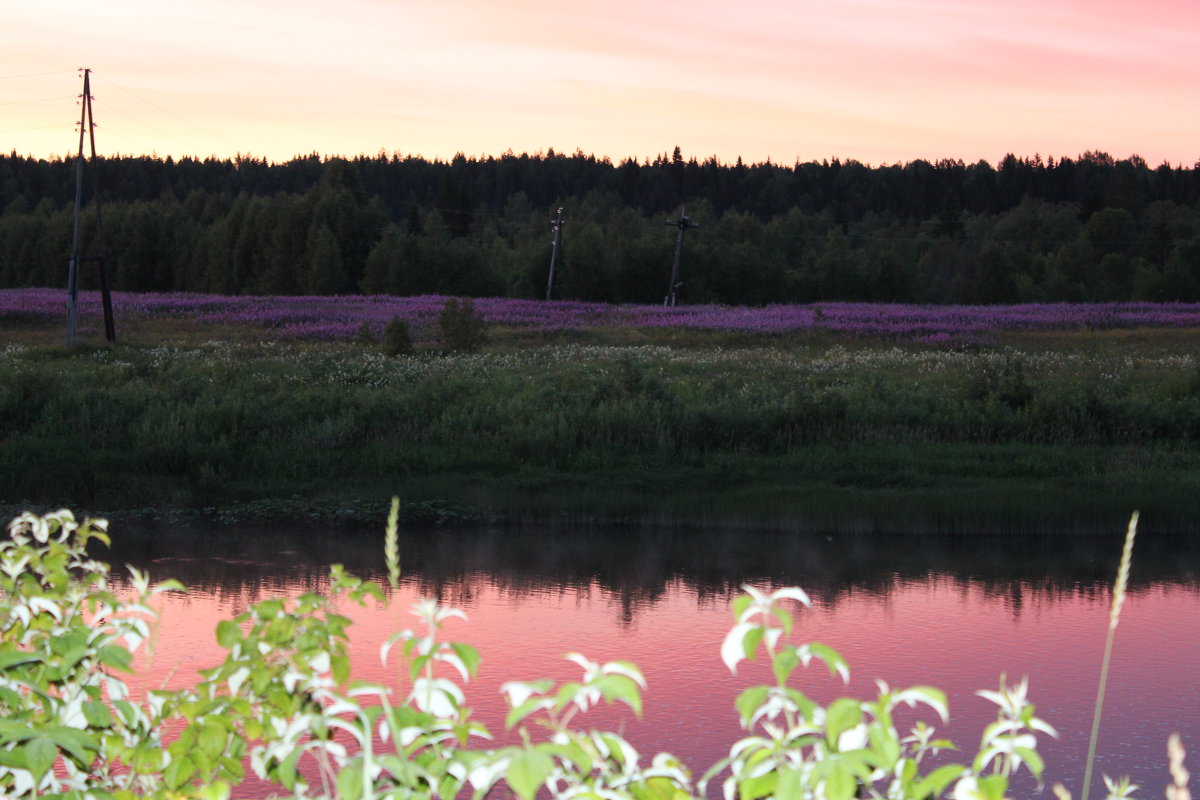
[(243, 563)]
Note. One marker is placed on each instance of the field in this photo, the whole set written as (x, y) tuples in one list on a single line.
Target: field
[(841, 415)]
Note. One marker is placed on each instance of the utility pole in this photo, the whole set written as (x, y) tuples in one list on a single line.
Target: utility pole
[(110, 328), (73, 266), (557, 222), (683, 224), (87, 122)]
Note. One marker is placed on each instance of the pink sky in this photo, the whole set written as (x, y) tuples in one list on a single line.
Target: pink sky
[(881, 81)]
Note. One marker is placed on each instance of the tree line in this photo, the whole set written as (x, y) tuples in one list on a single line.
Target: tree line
[(1091, 228)]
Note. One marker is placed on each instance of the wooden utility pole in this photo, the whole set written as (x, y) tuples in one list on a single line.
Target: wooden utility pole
[(73, 266), (683, 224), (557, 222), (87, 122), (110, 328)]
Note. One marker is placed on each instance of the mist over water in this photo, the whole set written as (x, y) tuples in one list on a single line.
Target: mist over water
[(953, 612)]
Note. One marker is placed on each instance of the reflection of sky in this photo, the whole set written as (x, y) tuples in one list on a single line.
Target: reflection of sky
[(952, 633)]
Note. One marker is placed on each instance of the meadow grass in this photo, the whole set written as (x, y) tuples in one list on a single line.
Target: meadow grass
[(617, 421)]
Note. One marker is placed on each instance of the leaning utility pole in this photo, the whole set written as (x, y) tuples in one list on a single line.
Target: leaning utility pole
[(683, 223), (110, 328), (73, 266), (87, 122), (557, 222)]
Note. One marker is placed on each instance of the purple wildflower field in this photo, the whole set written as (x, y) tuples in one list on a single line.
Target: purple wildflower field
[(333, 318)]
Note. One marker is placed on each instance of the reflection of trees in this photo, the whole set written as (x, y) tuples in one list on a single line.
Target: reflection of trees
[(637, 566)]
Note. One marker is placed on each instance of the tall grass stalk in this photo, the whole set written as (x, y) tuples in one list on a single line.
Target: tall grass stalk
[(1178, 790), (1114, 617), (391, 546)]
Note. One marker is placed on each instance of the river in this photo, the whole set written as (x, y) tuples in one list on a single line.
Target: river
[(955, 612)]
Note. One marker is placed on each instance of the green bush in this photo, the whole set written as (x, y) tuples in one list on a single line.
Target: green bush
[(397, 338), (461, 326), (366, 334)]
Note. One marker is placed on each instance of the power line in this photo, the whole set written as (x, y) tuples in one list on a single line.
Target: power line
[(27, 102), (36, 75), (159, 131), (39, 128), (168, 112)]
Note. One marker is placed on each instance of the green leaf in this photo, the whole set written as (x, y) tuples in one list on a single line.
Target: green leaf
[(620, 687), (994, 787), (40, 755), (936, 782), (785, 619), (518, 713), (740, 604), (806, 706), (571, 752), (840, 783), (340, 667), (287, 769), (117, 657), (1032, 760), (751, 640), (147, 761), (401, 769), (660, 788), (449, 786), (619, 750), (566, 693), (228, 633), (269, 609), (350, 783), (178, 771), (212, 739), (785, 663), (217, 790), (832, 658), (884, 742), (97, 714), (254, 728), (756, 787), (527, 771), (750, 700), (13, 658), (416, 665), (81, 746), (469, 656), (842, 715), (790, 785)]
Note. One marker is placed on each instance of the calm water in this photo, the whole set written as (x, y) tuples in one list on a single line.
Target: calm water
[(952, 612)]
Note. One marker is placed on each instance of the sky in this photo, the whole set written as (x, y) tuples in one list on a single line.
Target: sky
[(879, 81)]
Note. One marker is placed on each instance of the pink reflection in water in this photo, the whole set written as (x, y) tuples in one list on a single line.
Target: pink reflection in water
[(949, 633)]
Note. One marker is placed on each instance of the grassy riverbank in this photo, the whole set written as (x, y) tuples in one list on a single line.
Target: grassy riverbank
[(684, 426)]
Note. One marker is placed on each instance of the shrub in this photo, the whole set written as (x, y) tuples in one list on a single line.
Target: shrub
[(397, 339), (461, 326), (365, 335)]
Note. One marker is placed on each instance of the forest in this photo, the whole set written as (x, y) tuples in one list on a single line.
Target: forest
[(1090, 228)]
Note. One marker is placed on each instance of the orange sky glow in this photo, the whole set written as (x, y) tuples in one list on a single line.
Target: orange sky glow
[(880, 81)]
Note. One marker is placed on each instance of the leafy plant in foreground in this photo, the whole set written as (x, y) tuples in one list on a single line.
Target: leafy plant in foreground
[(852, 748), (67, 720)]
